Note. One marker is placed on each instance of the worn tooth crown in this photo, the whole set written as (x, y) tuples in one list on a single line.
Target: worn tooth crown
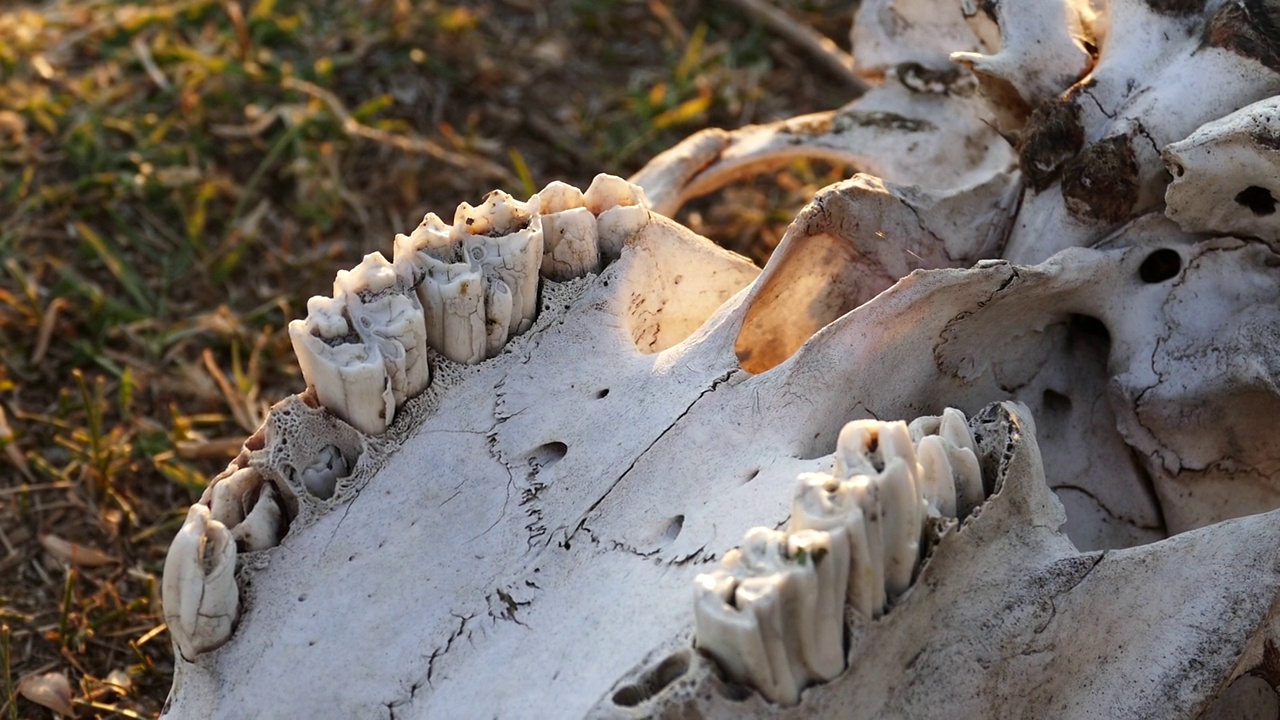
[(854, 536)]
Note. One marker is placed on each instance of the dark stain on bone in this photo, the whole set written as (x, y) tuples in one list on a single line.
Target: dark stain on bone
[(1054, 135), (1250, 28), (1101, 183)]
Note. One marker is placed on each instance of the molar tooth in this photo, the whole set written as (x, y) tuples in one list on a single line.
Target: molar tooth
[(937, 483), (759, 629), (320, 478), (348, 374), (228, 497), (556, 197), (498, 313), (198, 589), (822, 636), (515, 258), (621, 209), (388, 315), (499, 214), (955, 429), (901, 504), (610, 191), (823, 503), (262, 526), (615, 225), (571, 246), (453, 298)]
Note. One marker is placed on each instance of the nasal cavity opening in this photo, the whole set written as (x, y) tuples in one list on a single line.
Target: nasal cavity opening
[(814, 283)]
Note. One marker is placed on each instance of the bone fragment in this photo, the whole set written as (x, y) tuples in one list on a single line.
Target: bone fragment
[(320, 478)]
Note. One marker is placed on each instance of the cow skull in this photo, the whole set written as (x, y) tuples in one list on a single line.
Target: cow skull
[(565, 457)]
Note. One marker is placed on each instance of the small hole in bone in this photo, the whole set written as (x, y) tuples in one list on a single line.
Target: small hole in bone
[(673, 528), (1056, 404), (1160, 265), (653, 681), (602, 394), (1258, 199), (752, 474), (547, 455)]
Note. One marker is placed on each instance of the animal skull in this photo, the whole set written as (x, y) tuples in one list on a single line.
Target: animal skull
[(533, 442)]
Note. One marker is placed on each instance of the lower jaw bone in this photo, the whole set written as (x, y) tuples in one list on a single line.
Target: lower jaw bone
[(557, 501)]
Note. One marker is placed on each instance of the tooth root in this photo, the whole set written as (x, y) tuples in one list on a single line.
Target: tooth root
[(514, 258), (937, 483), (348, 374), (198, 589), (498, 312), (571, 246), (320, 478), (263, 527), (822, 636)]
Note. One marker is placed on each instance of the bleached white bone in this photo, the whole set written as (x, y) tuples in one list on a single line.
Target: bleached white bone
[(1225, 174), (261, 527)]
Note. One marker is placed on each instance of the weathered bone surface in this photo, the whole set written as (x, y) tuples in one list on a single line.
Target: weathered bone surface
[(524, 478)]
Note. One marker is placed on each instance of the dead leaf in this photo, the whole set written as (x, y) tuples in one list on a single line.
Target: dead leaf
[(74, 553), (51, 690)]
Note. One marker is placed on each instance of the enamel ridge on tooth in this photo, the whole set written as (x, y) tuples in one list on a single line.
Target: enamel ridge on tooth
[(772, 614)]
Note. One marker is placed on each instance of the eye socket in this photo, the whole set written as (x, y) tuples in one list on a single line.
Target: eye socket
[(1160, 265)]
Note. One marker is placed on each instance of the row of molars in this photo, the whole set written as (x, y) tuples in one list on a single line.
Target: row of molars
[(772, 615), (463, 289)]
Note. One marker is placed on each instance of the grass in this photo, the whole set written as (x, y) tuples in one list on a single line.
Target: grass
[(176, 178)]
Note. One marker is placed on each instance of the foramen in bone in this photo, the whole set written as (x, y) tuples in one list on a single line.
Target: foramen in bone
[(525, 474)]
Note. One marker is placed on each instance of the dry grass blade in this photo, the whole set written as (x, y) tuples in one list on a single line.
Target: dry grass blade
[(11, 450), (815, 44), (408, 143), (75, 553)]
